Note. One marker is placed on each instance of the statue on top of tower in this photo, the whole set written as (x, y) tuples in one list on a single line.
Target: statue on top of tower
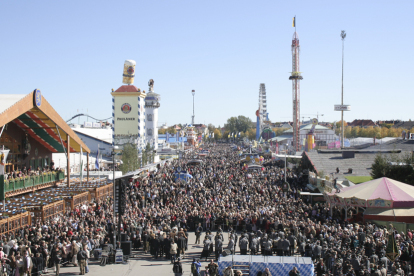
[(151, 85)]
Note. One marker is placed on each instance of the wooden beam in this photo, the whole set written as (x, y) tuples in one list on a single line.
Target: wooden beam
[(87, 166), (68, 159)]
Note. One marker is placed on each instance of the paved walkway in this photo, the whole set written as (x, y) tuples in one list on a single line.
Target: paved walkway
[(144, 264)]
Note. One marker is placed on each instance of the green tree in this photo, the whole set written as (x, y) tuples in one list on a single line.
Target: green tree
[(129, 158), (211, 128), (171, 130), (380, 167), (238, 124), (217, 134), (394, 167), (162, 131)]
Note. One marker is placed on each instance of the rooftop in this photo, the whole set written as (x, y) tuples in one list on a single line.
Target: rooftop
[(128, 88), (328, 160), (104, 134)]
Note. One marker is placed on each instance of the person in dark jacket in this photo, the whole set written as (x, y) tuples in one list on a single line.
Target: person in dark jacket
[(320, 268), (178, 268)]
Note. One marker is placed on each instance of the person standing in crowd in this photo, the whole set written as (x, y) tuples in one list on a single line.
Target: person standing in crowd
[(82, 257), (198, 232), (212, 268), (294, 272), (57, 258), (195, 267), (177, 268), (244, 245), (228, 271), (206, 248), (266, 272), (173, 251)]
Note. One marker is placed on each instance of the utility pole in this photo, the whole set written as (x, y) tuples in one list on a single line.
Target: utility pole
[(192, 121), (343, 35)]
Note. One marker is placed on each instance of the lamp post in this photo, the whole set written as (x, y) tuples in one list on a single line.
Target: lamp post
[(113, 187), (343, 35), (285, 160), (192, 121)]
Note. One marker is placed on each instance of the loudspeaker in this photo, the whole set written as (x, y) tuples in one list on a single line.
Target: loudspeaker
[(126, 247), (123, 237), (226, 252)]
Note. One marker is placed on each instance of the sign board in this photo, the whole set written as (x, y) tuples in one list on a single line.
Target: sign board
[(344, 107), (96, 124), (87, 124)]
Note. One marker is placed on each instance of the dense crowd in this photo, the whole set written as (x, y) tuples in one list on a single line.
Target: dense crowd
[(261, 213)]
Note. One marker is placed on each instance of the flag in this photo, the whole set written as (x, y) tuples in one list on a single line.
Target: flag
[(167, 137), (213, 134), (392, 250), (294, 22), (239, 134), (3, 158), (97, 159), (228, 136)]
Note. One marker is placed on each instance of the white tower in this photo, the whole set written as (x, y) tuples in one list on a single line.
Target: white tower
[(152, 103)]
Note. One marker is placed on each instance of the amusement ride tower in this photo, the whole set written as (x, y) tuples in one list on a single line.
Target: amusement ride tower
[(295, 77), (262, 114)]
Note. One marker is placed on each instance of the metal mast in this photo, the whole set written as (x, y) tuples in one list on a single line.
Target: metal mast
[(296, 77), (343, 35), (192, 117)]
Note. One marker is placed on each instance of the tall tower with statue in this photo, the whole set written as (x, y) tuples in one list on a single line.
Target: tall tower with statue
[(152, 103), (128, 113)]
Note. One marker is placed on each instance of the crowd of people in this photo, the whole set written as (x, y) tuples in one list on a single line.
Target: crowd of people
[(25, 171), (257, 210), (262, 213)]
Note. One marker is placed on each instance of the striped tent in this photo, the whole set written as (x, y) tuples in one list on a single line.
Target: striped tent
[(378, 193)]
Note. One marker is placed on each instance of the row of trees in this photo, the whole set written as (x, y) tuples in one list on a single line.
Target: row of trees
[(394, 167), (130, 158), (378, 132)]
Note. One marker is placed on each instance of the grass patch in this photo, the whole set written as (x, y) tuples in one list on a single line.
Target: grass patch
[(358, 179)]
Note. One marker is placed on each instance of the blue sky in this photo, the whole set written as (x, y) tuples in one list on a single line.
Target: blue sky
[(74, 52)]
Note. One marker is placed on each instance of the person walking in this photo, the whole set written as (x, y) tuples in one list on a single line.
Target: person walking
[(177, 268)]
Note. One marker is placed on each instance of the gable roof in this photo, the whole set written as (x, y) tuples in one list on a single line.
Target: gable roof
[(407, 125), (41, 122), (362, 123)]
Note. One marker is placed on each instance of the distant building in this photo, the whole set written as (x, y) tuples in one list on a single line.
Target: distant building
[(323, 135), (408, 125), (362, 123)]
